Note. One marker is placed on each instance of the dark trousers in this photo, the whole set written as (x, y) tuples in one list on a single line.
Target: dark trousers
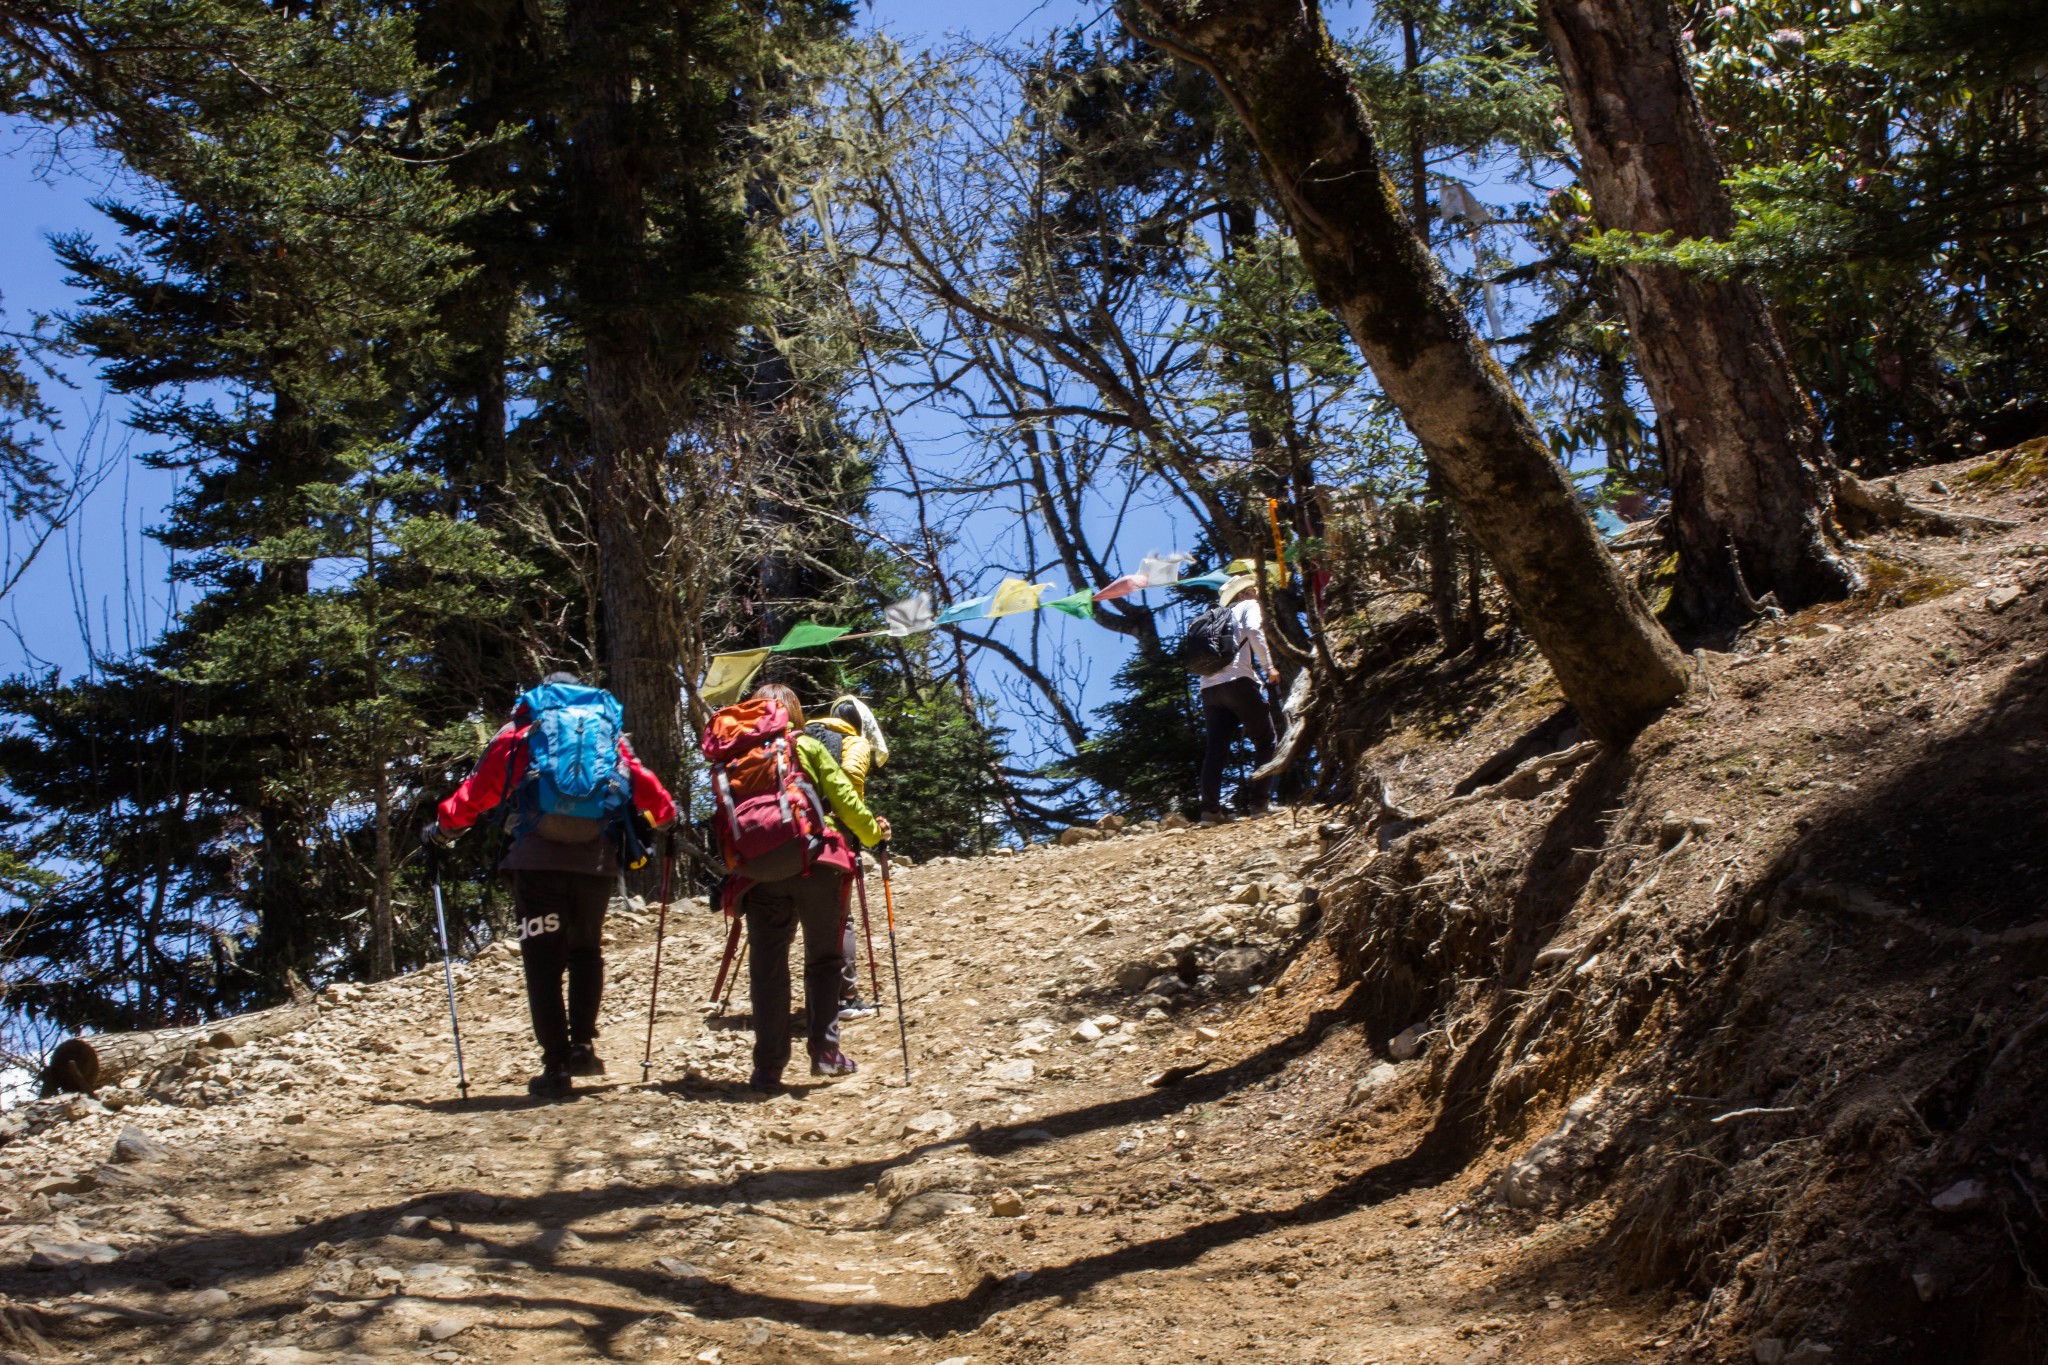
[(561, 930), (1227, 708), (774, 911), (849, 946)]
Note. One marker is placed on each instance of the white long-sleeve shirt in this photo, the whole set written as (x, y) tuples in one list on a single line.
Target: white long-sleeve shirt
[(1253, 659)]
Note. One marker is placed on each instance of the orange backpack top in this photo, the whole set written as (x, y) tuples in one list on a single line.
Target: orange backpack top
[(763, 799)]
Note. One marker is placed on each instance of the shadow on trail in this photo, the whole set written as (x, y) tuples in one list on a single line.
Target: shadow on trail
[(228, 1251)]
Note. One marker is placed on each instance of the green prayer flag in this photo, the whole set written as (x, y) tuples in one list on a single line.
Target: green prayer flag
[(1079, 604), (809, 635)]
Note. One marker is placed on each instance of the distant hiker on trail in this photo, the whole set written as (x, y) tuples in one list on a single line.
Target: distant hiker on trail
[(573, 794), (772, 785), (1226, 648), (854, 739)]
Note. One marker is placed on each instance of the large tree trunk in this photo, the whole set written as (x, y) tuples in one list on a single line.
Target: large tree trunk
[(631, 395), (1437, 542), (1748, 464), (1277, 65)]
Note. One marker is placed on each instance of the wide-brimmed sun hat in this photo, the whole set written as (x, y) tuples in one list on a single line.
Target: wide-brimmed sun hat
[(1235, 588)]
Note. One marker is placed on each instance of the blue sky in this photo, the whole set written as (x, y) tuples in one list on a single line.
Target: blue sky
[(106, 578), (106, 575)]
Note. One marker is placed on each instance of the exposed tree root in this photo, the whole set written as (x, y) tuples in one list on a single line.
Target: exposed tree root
[(1865, 506)]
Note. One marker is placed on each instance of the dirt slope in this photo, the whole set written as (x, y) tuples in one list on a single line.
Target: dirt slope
[(323, 1198)]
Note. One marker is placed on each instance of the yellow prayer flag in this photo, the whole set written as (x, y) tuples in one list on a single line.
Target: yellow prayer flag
[(725, 682), (1016, 595)]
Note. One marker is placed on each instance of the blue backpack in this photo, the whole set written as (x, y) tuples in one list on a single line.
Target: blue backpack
[(575, 784)]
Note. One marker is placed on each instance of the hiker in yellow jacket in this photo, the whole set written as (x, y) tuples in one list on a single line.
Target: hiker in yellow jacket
[(855, 741), (786, 891)]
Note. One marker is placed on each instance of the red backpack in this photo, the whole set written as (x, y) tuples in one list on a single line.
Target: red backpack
[(759, 791)]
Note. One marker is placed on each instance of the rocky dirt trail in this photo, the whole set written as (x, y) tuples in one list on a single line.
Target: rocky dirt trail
[(1033, 1194)]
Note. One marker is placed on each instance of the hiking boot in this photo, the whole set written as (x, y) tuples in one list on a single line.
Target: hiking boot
[(834, 1063), (584, 1061), (553, 1083), (857, 1008), (764, 1082)]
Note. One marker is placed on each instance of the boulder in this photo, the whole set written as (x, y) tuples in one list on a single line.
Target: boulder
[(1407, 1044), (932, 1187), (1543, 1175), (60, 1255), (928, 1205), (136, 1145), (1237, 968), (1110, 824), (1133, 975), (1018, 1071), (1006, 1204), (933, 1123), (1965, 1196), (1378, 1077), (1175, 821), (686, 1274), (1079, 834)]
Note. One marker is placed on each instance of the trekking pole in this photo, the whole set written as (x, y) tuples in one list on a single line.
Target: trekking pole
[(860, 884), (895, 966), (735, 976), (725, 964), (668, 862), (448, 972)]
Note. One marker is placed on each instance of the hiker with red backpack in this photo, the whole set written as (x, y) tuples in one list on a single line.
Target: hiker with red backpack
[(576, 802), (773, 788)]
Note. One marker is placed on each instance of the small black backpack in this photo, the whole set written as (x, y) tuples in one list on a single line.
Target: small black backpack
[(1210, 643)]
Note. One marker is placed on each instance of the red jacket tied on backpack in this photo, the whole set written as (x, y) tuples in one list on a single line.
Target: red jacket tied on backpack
[(501, 771)]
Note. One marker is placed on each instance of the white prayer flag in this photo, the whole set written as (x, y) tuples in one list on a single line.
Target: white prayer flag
[(911, 616)]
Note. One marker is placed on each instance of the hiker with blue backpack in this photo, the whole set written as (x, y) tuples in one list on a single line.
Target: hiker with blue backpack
[(1225, 648), (576, 802), (783, 811)]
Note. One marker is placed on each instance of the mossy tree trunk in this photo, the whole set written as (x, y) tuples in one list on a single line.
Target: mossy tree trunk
[(1276, 63), (1750, 471)]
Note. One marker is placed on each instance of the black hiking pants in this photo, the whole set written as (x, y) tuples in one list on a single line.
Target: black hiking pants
[(774, 911), (1227, 708), (561, 930)]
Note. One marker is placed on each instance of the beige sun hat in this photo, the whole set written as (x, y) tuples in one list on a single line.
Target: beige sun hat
[(1235, 588)]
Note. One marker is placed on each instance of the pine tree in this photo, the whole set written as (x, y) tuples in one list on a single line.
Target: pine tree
[(268, 304)]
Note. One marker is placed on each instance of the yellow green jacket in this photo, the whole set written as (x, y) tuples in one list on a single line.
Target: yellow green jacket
[(840, 792), (856, 755)]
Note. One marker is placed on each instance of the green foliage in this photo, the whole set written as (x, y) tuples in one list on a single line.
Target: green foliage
[(1888, 162), (131, 917), (28, 482), (1148, 750), (939, 789)]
